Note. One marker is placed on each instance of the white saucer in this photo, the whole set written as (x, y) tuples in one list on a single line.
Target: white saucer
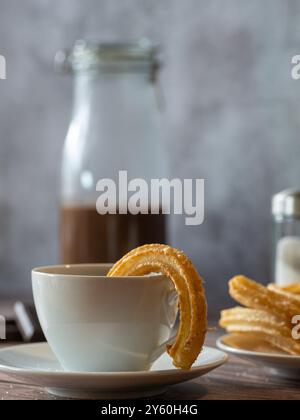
[(36, 364), (275, 363)]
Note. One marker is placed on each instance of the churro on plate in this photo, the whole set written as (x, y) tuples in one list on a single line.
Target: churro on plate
[(267, 315), (255, 296), (189, 285), (262, 326), (292, 288), (292, 291)]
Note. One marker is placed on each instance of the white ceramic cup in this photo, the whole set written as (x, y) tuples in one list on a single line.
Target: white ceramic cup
[(94, 323)]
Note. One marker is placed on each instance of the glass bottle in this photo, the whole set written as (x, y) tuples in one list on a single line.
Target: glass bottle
[(115, 127)]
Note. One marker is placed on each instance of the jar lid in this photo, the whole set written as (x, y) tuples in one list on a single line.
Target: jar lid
[(286, 203), (140, 56)]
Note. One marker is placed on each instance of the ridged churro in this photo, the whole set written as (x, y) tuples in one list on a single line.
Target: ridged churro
[(256, 296), (268, 316), (261, 325), (292, 288), (289, 291), (249, 342), (189, 285)]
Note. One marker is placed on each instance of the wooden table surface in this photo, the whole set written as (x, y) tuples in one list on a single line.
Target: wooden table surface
[(237, 380)]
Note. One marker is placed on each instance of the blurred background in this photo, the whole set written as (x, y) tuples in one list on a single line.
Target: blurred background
[(232, 117)]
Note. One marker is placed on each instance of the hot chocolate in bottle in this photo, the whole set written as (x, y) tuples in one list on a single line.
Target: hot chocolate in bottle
[(115, 127)]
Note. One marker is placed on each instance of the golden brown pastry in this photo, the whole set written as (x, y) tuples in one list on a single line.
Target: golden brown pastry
[(261, 325), (189, 285), (293, 288), (290, 291), (255, 296)]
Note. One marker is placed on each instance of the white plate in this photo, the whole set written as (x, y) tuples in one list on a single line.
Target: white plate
[(36, 364), (278, 364)]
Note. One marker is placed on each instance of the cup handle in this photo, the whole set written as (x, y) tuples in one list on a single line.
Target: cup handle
[(162, 348)]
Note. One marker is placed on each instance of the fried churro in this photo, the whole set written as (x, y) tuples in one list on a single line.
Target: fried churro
[(292, 288), (292, 291), (268, 314), (189, 285), (255, 296), (250, 342), (261, 325)]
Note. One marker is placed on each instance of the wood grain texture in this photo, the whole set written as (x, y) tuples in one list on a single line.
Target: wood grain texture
[(237, 380)]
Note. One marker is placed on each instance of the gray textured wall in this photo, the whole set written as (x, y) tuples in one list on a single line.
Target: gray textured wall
[(232, 118)]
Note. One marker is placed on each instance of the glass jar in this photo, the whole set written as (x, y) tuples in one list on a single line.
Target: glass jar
[(286, 237), (115, 127)]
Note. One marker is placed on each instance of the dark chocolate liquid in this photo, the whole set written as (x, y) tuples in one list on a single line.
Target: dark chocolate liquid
[(87, 237)]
